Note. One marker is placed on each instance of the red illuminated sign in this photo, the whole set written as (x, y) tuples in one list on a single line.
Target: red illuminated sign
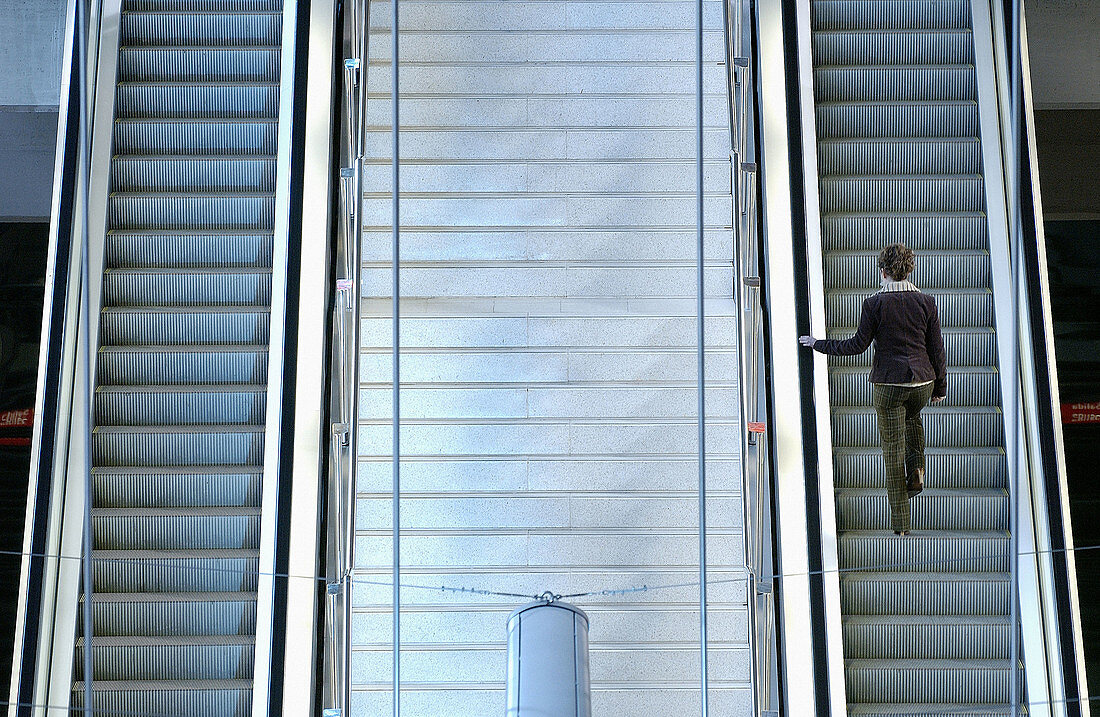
[(1081, 412)]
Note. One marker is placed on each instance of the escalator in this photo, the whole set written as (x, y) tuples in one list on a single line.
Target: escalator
[(196, 264), (181, 381), (888, 123), (926, 618)]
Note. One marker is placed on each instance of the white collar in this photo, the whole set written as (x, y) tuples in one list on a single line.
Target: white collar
[(889, 286)]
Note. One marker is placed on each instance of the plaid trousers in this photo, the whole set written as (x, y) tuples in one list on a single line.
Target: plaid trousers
[(902, 434)]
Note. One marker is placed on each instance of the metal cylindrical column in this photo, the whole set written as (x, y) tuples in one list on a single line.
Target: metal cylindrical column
[(548, 662)]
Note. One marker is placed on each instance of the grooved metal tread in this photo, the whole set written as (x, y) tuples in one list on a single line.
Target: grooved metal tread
[(231, 511), (164, 685), (171, 597), (170, 640), (939, 709)]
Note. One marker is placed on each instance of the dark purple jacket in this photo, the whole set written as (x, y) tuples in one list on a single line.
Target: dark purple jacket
[(905, 327)]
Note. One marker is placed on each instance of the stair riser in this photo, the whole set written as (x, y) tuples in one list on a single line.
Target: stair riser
[(176, 532), (944, 641), (192, 212), (946, 684), (894, 84), (950, 596), (183, 29), (166, 449), (923, 552), (137, 64), (222, 662), (955, 309), (974, 389), (951, 430), (928, 512), (151, 491), (162, 367), (197, 175), (954, 470), (962, 349), (180, 289), (133, 575), (897, 120), (130, 328), (196, 138), (893, 48), (901, 195), (886, 14), (175, 618), (932, 271), (852, 158), (182, 250), (920, 233)]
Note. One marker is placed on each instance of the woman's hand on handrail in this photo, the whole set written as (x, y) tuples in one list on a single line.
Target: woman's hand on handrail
[(807, 341)]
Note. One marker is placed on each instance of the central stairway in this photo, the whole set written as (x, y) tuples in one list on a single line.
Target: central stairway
[(926, 627), (548, 375)]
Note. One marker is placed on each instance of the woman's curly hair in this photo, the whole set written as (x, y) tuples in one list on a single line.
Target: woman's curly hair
[(897, 260)]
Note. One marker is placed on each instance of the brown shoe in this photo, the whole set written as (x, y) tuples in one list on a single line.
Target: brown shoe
[(915, 484)]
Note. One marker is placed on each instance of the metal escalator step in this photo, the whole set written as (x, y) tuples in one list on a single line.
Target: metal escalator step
[(981, 681), (896, 83), (890, 14), (176, 486), (202, 5), (238, 286), (194, 325), (957, 307), (175, 614), (193, 174), (945, 468), (932, 552), (201, 27), (204, 528), (896, 119), (925, 593), (899, 156), (190, 100), (934, 509), (965, 427), (919, 231), (849, 387), (165, 405), (161, 571), (901, 46), (255, 212), (938, 709), (939, 637), (189, 657), (175, 365), (177, 445), (227, 64), (937, 193), (211, 248), (178, 698), (965, 347), (940, 269), (196, 137)]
